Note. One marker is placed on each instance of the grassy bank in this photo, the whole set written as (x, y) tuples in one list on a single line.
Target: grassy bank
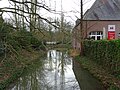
[(108, 80), (13, 67)]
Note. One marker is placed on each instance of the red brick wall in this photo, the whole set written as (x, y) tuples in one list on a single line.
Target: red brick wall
[(99, 25), (89, 26)]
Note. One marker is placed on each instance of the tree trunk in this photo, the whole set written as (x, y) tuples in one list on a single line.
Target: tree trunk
[(23, 23), (16, 19), (33, 16)]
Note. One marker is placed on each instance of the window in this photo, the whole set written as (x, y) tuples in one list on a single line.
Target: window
[(111, 28), (96, 35), (118, 34), (98, 38)]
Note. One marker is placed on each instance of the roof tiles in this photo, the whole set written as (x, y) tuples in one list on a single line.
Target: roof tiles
[(104, 10)]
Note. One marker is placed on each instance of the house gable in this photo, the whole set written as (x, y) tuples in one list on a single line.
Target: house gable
[(104, 10)]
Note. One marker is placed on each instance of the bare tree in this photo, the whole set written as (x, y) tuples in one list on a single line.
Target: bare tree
[(33, 15), (28, 12), (81, 28), (23, 24), (16, 19)]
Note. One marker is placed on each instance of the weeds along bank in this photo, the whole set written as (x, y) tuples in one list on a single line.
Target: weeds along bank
[(106, 54), (18, 48)]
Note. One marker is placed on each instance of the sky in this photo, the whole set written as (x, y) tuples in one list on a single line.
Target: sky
[(70, 8)]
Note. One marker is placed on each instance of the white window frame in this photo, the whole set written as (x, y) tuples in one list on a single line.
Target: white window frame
[(95, 35)]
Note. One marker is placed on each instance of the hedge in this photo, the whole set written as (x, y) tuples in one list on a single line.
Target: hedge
[(105, 53)]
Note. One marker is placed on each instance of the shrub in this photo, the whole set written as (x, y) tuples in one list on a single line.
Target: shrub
[(17, 40), (105, 53)]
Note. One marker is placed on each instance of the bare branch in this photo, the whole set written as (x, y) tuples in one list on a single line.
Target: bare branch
[(12, 10), (28, 2)]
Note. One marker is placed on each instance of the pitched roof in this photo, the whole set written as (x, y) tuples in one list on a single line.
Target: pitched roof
[(104, 10)]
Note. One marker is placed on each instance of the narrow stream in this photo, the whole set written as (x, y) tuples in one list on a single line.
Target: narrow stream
[(55, 73)]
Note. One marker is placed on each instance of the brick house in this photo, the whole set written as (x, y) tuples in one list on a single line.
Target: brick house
[(101, 21)]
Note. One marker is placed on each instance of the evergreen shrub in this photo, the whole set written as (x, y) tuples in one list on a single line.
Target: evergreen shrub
[(105, 53)]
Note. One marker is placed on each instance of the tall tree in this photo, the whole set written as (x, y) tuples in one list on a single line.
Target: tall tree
[(62, 27), (33, 15), (23, 23), (16, 19), (28, 11), (81, 28)]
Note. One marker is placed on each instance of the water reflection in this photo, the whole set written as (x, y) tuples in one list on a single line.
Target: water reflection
[(59, 72), (85, 79), (55, 74)]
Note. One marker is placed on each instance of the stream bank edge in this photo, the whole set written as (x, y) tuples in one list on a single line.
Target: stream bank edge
[(108, 80), (26, 59)]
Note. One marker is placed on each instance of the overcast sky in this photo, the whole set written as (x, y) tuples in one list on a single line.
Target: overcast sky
[(71, 8)]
